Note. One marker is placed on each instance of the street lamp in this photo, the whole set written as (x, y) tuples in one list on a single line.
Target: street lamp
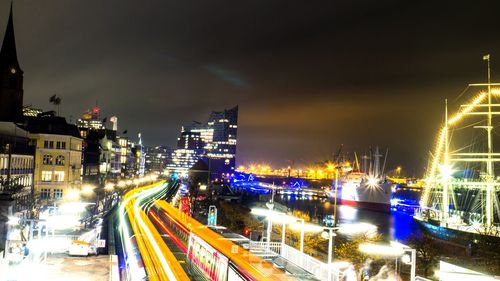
[(412, 259), (87, 189), (330, 235), (303, 227)]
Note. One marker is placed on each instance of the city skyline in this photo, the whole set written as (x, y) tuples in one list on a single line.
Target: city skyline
[(302, 82)]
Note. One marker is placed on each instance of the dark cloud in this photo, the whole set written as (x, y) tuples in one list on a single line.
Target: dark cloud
[(308, 75)]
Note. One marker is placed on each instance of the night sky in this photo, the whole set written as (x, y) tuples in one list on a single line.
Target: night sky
[(307, 75)]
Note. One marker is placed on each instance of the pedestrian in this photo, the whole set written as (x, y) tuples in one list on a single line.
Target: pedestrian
[(25, 250)]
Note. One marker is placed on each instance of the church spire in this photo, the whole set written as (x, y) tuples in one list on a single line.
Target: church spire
[(11, 77), (8, 54)]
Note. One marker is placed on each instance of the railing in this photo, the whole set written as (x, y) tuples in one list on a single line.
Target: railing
[(310, 264), (319, 269), (274, 247)]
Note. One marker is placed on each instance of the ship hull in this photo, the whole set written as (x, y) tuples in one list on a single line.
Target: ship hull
[(465, 239), (375, 206), (360, 195)]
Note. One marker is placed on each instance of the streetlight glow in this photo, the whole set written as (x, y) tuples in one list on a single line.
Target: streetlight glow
[(381, 250)]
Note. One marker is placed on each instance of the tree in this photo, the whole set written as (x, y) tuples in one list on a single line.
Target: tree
[(55, 100), (427, 252), (348, 249)]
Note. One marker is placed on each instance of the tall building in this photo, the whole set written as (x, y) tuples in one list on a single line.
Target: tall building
[(222, 152), (11, 77), (214, 142), (156, 158), (189, 151)]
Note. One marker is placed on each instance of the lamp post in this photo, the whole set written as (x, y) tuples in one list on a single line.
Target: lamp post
[(413, 257), (330, 234)]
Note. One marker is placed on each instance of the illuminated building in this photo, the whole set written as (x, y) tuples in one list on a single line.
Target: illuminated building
[(222, 152), (189, 151), (31, 112), (16, 163), (156, 158), (218, 137), (140, 160), (11, 78), (91, 120), (58, 156), (101, 150)]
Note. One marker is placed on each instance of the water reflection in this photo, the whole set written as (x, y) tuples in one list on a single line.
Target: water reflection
[(392, 226)]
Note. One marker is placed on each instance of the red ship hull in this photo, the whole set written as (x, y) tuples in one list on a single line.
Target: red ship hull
[(380, 207)]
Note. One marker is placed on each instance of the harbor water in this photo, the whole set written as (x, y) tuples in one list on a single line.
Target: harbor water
[(392, 226)]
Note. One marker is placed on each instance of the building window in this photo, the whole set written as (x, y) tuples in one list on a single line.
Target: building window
[(58, 145), (47, 159), (46, 144), (63, 145), (60, 160), (59, 176), (46, 175), (51, 144), (45, 193), (58, 193)]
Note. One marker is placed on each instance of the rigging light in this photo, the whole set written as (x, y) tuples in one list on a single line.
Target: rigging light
[(445, 172)]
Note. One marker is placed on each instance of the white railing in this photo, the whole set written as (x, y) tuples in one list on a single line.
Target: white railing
[(318, 268), (314, 266), (274, 247)]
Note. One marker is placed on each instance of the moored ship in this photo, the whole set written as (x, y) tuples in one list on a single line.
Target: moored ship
[(460, 200), (367, 188)]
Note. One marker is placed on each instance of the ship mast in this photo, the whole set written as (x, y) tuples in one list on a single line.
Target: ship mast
[(446, 166), (489, 168)]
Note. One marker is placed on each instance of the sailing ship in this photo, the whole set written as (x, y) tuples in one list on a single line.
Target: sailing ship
[(460, 200)]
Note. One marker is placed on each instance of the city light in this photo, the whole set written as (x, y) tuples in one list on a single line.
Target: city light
[(13, 220), (308, 227), (109, 187), (372, 181), (359, 228), (381, 250), (73, 194), (87, 189)]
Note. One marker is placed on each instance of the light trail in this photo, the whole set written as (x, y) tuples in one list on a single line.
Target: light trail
[(252, 266), (159, 262)]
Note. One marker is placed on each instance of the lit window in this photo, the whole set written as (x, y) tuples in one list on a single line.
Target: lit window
[(46, 175), (60, 160), (45, 193), (59, 176), (58, 193), (47, 159)]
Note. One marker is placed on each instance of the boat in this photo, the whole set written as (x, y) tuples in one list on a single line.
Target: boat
[(406, 195), (460, 199), (367, 188)]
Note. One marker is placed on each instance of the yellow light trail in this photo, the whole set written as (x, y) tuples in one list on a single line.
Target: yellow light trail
[(255, 266), (159, 262)]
